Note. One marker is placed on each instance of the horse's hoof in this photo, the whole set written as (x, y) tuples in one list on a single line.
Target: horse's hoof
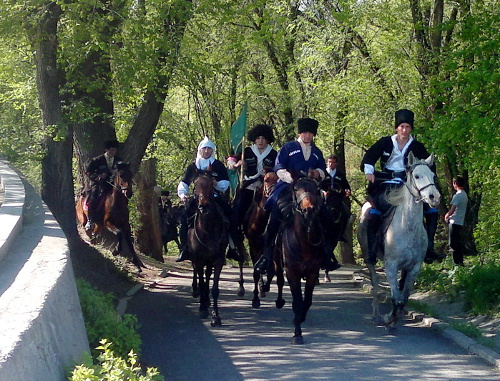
[(327, 278), (262, 294), (241, 292), (216, 321), (203, 314), (266, 288), (297, 340), (256, 303), (280, 303), (195, 294)]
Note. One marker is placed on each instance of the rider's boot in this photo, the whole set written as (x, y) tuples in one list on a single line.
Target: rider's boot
[(273, 225), (431, 222), (184, 254), (330, 263), (232, 252), (372, 225)]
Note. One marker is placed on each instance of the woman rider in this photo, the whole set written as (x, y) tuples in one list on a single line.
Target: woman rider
[(205, 162)]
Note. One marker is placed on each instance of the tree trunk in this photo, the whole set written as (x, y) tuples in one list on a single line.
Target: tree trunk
[(149, 232), (57, 176)]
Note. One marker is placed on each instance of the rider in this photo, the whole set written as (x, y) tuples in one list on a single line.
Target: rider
[(337, 187), (393, 154), (205, 161), (295, 158), (258, 159), (101, 171)]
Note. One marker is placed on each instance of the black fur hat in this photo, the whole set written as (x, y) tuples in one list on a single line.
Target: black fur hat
[(307, 125), (111, 144), (261, 130), (165, 193), (404, 116)]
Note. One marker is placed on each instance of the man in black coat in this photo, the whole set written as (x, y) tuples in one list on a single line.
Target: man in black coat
[(392, 152), (100, 171), (336, 188)]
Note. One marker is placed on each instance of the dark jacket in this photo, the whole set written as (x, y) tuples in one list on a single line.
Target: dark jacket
[(251, 164), (98, 165), (382, 151), (338, 184), (218, 172)]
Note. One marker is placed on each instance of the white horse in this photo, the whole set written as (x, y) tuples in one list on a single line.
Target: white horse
[(405, 239)]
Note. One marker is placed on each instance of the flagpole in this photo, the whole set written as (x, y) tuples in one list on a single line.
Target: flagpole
[(242, 159)]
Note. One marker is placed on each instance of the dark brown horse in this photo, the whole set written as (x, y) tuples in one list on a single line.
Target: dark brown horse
[(301, 250), (114, 215), (254, 225), (207, 242)]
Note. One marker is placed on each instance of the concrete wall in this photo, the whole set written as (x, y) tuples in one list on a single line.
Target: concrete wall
[(41, 323)]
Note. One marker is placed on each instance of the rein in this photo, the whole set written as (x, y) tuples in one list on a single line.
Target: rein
[(296, 202), (196, 216)]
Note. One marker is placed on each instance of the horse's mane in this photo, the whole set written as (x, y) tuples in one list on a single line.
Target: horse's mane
[(395, 196)]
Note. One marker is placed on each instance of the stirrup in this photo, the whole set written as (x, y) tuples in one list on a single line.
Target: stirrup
[(184, 255), (262, 265)]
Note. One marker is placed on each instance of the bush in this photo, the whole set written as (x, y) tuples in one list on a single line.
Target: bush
[(102, 321), (112, 368), (479, 282)]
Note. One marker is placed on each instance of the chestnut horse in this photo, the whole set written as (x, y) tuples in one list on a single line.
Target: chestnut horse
[(114, 215), (254, 226), (301, 251), (207, 242)]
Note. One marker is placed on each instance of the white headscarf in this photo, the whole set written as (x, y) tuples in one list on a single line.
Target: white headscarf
[(200, 162)]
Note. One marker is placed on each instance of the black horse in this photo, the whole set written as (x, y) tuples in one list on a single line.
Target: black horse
[(301, 251), (207, 242)]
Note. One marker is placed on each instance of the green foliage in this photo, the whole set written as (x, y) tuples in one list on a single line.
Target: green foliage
[(102, 321), (481, 284), (113, 368), (478, 282)]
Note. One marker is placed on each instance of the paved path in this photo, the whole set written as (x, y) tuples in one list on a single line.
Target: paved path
[(254, 344)]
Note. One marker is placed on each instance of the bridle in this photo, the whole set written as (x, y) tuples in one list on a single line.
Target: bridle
[(302, 212), (409, 175)]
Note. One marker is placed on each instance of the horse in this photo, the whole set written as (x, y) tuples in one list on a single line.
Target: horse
[(207, 242), (254, 225), (404, 238), (169, 219), (301, 251), (114, 213)]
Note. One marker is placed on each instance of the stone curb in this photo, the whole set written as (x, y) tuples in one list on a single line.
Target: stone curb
[(467, 343)]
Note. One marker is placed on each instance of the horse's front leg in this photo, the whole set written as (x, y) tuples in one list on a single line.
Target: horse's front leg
[(241, 287), (280, 282), (257, 280), (297, 307), (216, 320), (126, 233), (195, 290), (204, 294), (311, 281), (391, 318)]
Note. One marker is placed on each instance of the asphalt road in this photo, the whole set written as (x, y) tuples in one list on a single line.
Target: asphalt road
[(255, 344)]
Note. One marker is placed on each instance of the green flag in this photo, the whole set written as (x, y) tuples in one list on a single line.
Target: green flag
[(238, 130)]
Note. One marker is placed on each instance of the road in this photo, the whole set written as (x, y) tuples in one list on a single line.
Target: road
[(255, 344)]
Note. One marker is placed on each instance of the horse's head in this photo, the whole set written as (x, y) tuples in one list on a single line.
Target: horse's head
[(269, 182), (123, 179), (306, 196), (204, 190), (420, 179)]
